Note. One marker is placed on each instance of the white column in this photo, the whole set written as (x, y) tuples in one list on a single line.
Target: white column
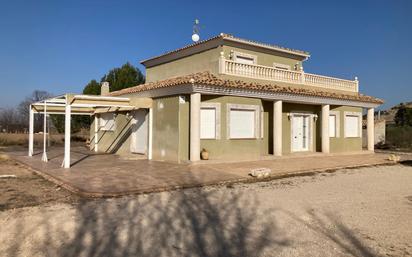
[(222, 63), (44, 156), (277, 128), (96, 133), (325, 128), (371, 129), (195, 127), (67, 136), (31, 131), (150, 150)]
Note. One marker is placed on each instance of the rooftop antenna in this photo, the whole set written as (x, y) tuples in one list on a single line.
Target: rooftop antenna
[(196, 28)]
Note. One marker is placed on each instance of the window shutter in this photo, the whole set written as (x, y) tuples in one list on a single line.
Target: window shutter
[(351, 126), (332, 126), (207, 123), (242, 123)]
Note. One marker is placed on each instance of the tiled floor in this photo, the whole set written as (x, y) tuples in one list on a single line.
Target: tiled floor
[(97, 175)]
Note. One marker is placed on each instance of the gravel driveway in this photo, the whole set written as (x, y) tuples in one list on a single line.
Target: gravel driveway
[(360, 212)]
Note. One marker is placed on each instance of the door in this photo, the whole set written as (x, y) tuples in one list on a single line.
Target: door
[(300, 133), (139, 137)]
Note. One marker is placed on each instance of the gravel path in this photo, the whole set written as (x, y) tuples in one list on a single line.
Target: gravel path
[(360, 212)]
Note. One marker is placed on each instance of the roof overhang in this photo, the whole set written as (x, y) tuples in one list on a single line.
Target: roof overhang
[(88, 104), (251, 93), (222, 39)]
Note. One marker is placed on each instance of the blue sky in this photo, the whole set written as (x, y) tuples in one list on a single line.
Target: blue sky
[(59, 46)]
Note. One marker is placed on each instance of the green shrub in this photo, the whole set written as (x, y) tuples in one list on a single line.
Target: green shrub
[(399, 137)]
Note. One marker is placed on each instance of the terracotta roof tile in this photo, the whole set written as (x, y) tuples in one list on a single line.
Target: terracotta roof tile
[(206, 78)]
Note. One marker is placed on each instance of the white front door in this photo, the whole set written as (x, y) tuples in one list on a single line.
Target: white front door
[(139, 126), (300, 133)]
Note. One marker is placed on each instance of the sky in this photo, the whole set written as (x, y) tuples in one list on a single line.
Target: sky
[(59, 46)]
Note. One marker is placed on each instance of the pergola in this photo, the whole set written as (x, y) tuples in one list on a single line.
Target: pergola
[(72, 104)]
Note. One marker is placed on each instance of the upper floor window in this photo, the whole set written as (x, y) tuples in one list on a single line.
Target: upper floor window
[(244, 58), (281, 66)]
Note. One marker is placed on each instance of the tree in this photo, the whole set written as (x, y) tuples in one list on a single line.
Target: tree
[(92, 88), (8, 119), (403, 116), (124, 77), (24, 107)]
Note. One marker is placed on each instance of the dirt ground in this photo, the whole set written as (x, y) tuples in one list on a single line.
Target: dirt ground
[(27, 189), (359, 212)]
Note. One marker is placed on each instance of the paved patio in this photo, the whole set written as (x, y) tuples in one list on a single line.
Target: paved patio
[(104, 175)]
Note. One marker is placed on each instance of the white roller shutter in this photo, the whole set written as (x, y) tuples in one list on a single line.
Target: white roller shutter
[(208, 123), (242, 123), (351, 126), (332, 126)]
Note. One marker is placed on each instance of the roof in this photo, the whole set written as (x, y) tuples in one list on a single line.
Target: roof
[(228, 37), (206, 78), (80, 104)]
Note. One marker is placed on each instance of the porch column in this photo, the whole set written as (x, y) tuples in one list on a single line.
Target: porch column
[(67, 136), (44, 156), (371, 129), (31, 130), (96, 133), (277, 128), (150, 150), (195, 127), (325, 128)]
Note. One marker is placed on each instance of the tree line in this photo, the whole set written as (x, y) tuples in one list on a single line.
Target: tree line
[(17, 119)]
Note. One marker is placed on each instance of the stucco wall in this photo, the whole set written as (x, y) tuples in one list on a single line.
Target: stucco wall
[(204, 61), (117, 141), (171, 124), (342, 144), (264, 58), (184, 127), (166, 128), (231, 149)]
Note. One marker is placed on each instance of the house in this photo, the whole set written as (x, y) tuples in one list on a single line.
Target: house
[(237, 99)]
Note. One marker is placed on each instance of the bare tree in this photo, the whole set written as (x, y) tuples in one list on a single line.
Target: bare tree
[(8, 119), (23, 109)]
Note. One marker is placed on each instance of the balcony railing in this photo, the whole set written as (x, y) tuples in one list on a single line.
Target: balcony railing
[(253, 71)]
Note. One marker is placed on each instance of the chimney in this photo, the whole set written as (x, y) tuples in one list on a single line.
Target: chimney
[(105, 89)]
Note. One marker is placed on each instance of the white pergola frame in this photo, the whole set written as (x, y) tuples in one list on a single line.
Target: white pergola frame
[(71, 104)]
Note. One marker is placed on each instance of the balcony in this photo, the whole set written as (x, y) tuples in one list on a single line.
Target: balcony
[(254, 71)]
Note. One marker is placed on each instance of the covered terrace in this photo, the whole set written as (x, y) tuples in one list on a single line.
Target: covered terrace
[(72, 104)]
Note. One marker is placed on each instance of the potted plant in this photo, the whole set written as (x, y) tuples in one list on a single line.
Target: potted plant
[(204, 154)]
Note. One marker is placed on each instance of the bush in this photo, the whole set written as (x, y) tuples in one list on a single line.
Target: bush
[(399, 137)]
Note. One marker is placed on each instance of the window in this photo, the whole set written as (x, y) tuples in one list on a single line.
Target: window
[(207, 123), (281, 66), (332, 125), (242, 123), (244, 58), (352, 125), (107, 122), (209, 120)]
